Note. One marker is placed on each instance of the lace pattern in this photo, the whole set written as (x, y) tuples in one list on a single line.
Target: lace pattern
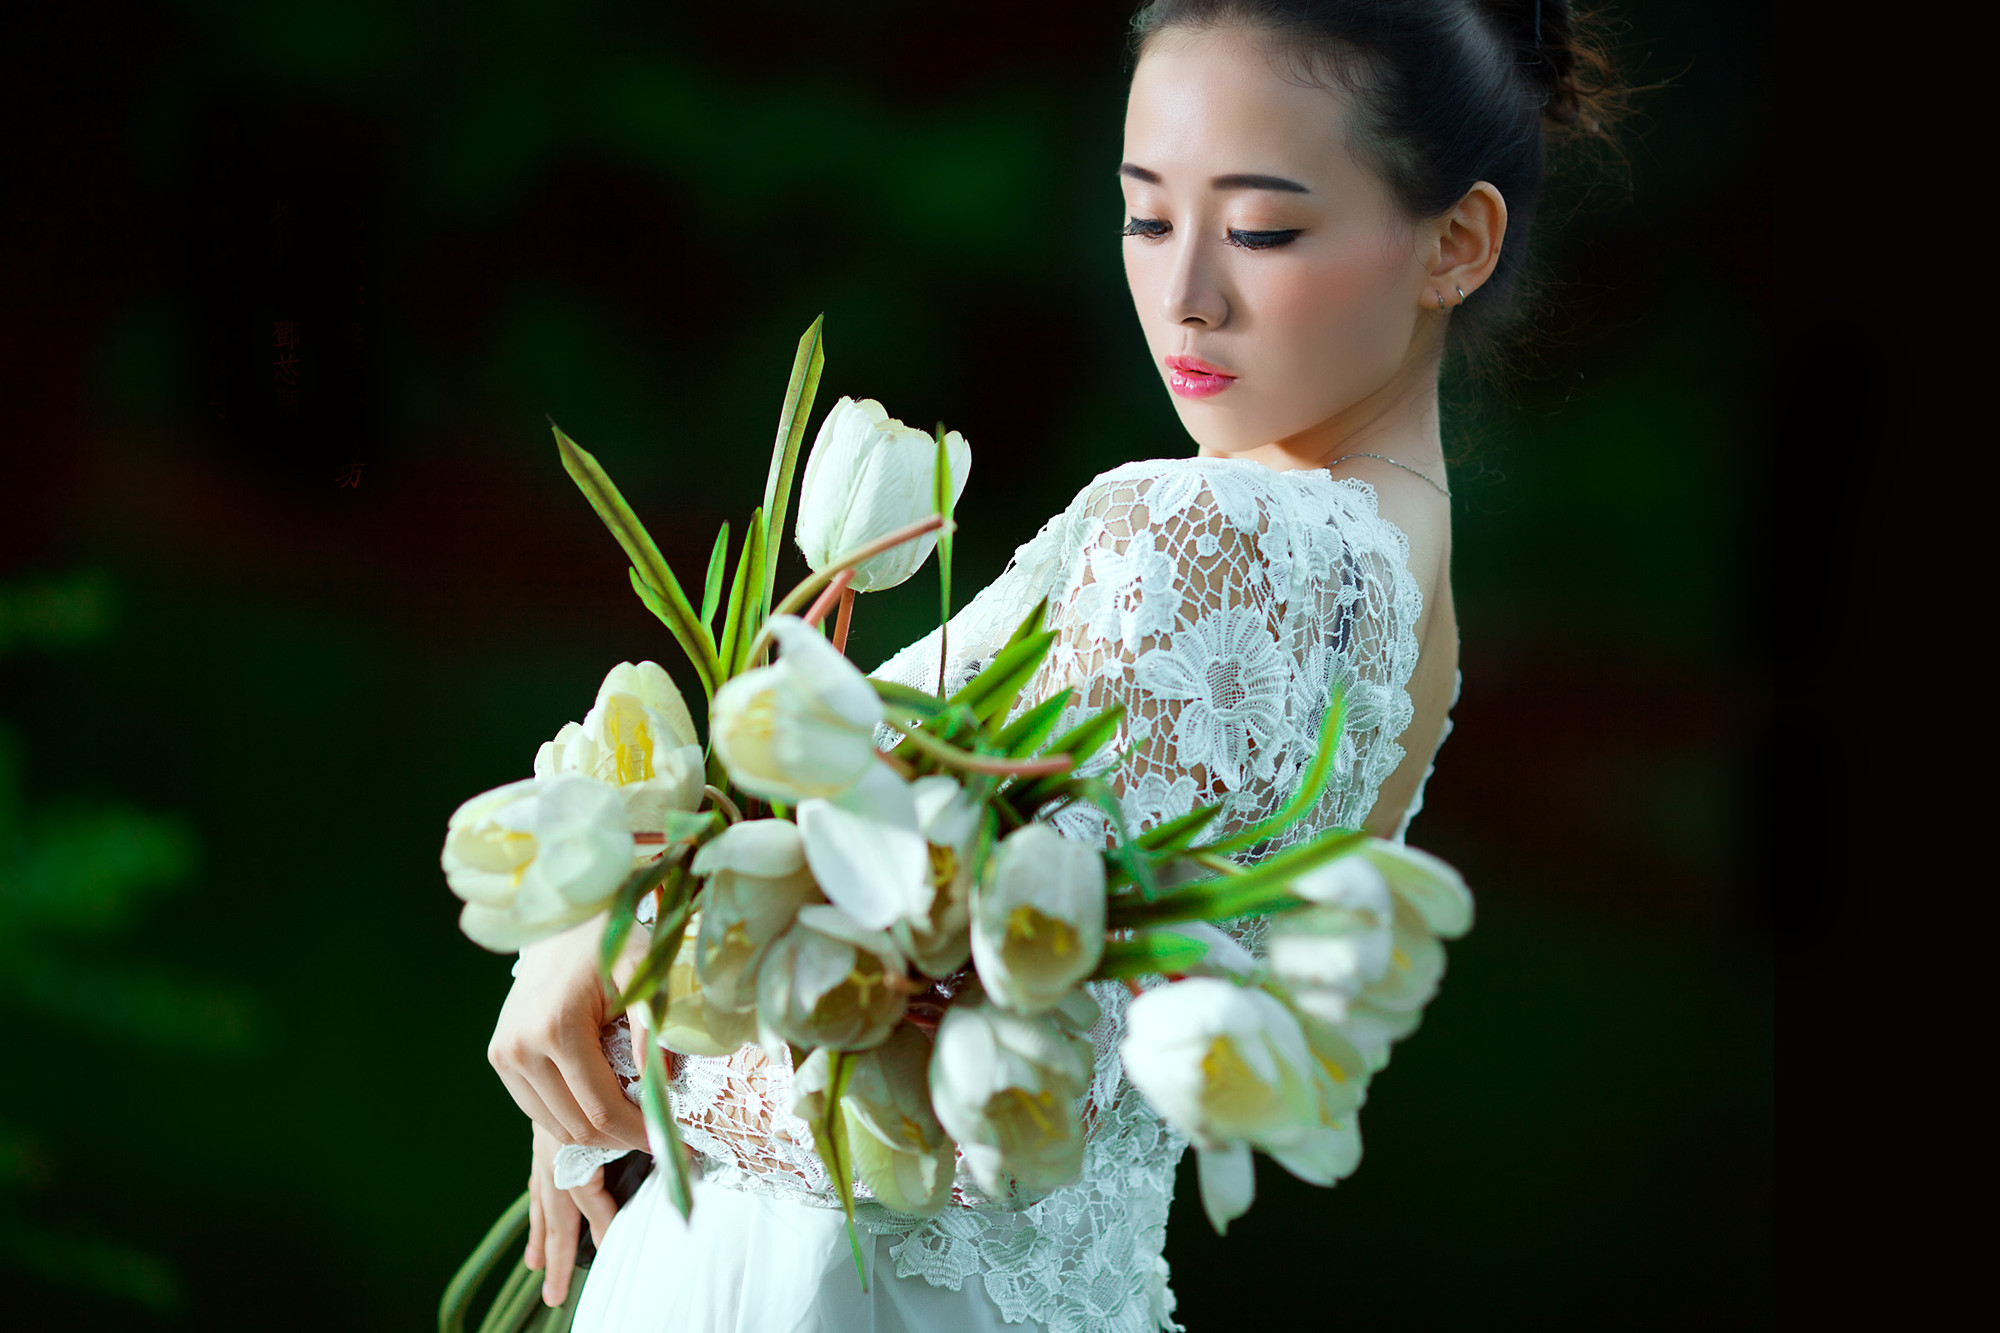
[(1220, 603)]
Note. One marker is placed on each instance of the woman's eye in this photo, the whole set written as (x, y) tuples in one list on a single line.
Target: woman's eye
[(1150, 227), (1262, 240)]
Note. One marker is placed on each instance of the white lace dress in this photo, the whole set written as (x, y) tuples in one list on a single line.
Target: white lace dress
[(1219, 601)]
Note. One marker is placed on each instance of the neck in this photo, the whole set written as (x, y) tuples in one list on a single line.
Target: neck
[(1399, 421)]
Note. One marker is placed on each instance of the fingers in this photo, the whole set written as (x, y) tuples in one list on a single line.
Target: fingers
[(611, 1120), (531, 1103), (564, 1226), (551, 1087), (597, 1206), (536, 1228)]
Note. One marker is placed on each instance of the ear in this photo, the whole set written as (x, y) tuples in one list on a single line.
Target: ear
[(1468, 244)]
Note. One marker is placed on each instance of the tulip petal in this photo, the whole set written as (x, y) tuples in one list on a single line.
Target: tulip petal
[(866, 852), (1431, 885), (655, 690), (1327, 1155), (1228, 1183), (765, 848)]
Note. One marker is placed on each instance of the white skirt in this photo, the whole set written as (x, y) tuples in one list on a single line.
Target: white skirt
[(750, 1263)]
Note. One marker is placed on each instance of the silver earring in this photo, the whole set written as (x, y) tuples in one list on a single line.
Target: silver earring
[(1440, 297), (1461, 293)]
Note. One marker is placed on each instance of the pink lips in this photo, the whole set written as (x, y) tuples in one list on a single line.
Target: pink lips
[(1192, 377)]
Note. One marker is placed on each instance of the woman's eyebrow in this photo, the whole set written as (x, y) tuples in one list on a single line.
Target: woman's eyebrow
[(1251, 181), (1234, 181)]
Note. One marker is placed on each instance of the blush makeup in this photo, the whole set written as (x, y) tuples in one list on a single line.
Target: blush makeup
[(1192, 377)]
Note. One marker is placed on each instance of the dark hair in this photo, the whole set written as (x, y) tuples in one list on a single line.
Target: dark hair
[(1446, 93)]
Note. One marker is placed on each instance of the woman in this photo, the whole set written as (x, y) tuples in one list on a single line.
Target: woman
[(1321, 198)]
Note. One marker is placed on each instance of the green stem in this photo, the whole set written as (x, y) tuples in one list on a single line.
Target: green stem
[(803, 594), (964, 760), (722, 801), (465, 1284)]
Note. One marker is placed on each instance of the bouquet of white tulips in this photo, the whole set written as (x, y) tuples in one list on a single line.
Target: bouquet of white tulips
[(905, 920)]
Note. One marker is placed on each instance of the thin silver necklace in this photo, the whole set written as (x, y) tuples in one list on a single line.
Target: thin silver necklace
[(1384, 458)]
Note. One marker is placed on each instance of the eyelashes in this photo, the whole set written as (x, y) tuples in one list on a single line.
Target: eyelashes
[(1156, 228), (1262, 240)]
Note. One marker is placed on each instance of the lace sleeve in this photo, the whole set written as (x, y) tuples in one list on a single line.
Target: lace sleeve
[(1175, 606)]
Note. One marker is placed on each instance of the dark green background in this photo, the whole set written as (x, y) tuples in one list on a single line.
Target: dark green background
[(243, 1083)]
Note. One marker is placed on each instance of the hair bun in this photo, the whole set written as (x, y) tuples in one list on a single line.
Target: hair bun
[(1568, 70)]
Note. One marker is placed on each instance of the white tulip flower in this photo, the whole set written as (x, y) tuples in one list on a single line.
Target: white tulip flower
[(637, 736), (1038, 919), (940, 941), (1431, 901), (801, 727), (900, 1151), (829, 982), (1006, 1087), (686, 1027), (1391, 1008), (757, 882), (867, 476), (1230, 1067), (1329, 953), (535, 857), (868, 852)]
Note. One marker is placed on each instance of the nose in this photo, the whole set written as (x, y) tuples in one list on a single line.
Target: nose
[(1193, 296)]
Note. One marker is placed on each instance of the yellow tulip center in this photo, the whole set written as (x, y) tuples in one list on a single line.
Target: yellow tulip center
[(1018, 1108), (858, 991), (944, 865), (632, 740), (1231, 1089), (1030, 926)]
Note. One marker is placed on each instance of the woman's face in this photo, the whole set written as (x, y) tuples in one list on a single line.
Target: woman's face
[(1279, 284)]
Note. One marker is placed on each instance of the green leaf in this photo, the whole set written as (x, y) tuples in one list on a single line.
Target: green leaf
[(1080, 742), (807, 364), (1177, 834), (711, 587), (676, 906), (704, 667), (1126, 852), (662, 1135), (739, 591), (1030, 623), (1264, 887), (941, 498), (993, 691), (1025, 733), (753, 605), (904, 699), (641, 881), (1149, 952), (830, 1141), (649, 566), (689, 826), (1311, 786)]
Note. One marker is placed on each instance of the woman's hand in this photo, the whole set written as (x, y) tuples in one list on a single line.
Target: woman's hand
[(547, 1046), (552, 1218)]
